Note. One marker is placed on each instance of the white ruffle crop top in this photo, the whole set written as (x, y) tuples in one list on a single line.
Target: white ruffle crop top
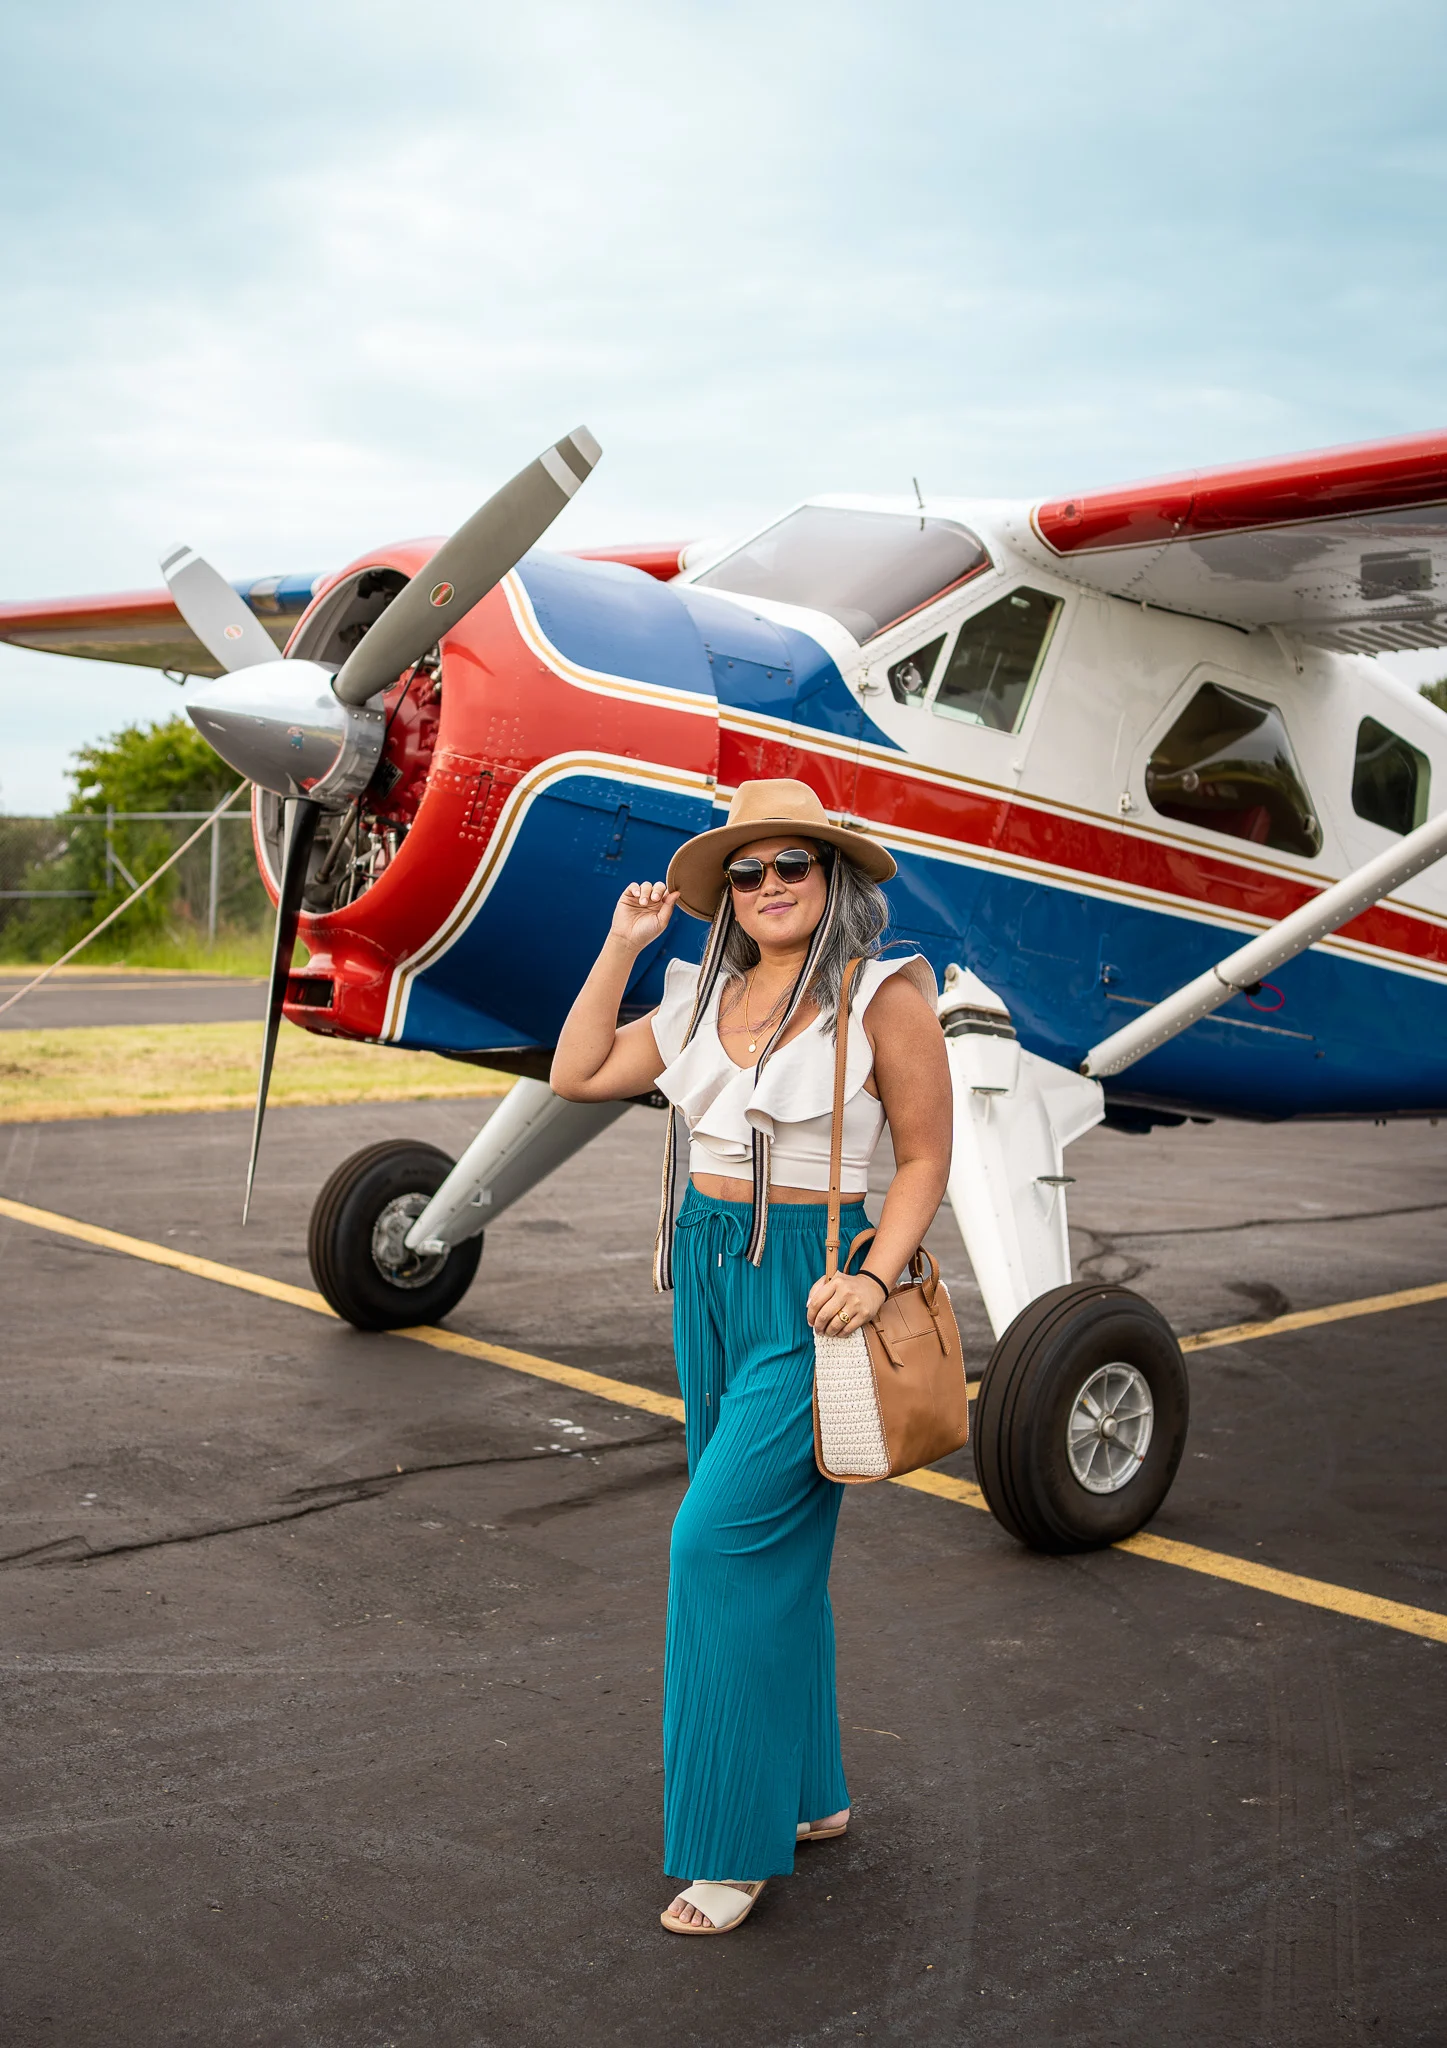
[(791, 1102)]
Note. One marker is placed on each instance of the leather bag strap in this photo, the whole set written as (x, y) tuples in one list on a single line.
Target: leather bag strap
[(836, 1130)]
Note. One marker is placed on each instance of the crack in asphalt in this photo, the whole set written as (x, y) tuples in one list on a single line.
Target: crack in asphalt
[(390, 1478), (1267, 1299), (615, 1489), (1267, 1222), (308, 1500)]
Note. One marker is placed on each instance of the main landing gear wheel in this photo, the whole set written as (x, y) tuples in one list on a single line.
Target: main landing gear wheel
[(355, 1242), (1081, 1418)]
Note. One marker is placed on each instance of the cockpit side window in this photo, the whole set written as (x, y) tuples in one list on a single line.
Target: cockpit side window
[(1227, 764), (910, 678), (868, 570), (998, 655), (1390, 779)]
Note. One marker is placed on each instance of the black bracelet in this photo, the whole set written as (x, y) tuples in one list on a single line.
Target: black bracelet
[(865, 1274)]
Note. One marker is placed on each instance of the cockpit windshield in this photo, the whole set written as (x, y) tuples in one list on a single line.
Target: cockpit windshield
[(866, 569)]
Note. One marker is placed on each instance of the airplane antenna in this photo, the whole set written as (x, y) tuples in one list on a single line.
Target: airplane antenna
[(919, 500)]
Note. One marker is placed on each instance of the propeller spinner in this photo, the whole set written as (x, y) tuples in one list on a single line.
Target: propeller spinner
[(315, 737)]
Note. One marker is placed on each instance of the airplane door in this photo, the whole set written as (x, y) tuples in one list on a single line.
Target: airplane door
[(1060, 837), (1035, 901)]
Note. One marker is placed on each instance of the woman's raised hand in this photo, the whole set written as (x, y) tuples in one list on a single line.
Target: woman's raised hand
[(596, 1060), (642, 913)]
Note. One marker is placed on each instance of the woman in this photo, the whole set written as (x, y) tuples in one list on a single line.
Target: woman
[(743, 1046)]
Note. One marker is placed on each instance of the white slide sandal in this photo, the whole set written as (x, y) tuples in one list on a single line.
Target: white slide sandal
[(727, 1904)]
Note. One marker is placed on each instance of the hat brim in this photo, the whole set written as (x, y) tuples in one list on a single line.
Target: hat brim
[(697, 869)]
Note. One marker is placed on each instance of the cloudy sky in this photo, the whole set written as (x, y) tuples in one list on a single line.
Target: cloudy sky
[(289, 280)]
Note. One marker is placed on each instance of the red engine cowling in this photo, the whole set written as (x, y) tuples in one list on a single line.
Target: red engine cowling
[(464, 729)]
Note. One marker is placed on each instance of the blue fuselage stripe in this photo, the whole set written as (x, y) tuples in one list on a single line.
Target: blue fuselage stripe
[(1333, 1036)]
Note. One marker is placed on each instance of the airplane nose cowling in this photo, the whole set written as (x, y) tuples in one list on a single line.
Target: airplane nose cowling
[(281, 726)]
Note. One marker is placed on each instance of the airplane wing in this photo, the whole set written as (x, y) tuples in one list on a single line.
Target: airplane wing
[(144, 627), (1345, 548)]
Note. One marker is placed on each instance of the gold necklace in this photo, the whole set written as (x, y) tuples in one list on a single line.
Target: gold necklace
[(754, 1031)]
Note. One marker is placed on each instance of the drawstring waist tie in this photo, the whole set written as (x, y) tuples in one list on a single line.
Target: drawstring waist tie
[(790, 1219)]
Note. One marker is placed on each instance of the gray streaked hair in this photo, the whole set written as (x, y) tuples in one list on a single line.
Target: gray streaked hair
[(861, 918)]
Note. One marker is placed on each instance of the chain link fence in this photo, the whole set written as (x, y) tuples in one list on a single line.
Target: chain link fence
[(60, 875)]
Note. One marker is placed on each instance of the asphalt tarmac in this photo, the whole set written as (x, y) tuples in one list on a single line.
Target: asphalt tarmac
[(333, 1662), (68, 999)]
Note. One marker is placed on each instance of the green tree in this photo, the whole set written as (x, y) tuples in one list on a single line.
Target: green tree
[(1436, 693), (162, 767)]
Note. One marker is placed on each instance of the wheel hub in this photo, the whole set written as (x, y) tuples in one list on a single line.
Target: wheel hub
[(400, 1267), (1108, 1430)]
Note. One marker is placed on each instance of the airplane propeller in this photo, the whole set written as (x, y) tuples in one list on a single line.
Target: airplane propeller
[(313, 737), (302, 818), (466, 567), (225, 625)]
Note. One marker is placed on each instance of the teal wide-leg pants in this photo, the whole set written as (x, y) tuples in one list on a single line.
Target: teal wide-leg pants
[(750, 1724)]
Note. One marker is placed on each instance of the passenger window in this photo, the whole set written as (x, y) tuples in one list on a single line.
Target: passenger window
[(910, 678), (997, 657), (1227, 764), (1389, 782)]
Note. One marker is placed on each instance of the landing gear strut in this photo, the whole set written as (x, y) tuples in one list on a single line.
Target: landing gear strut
[(396, 1233), (1083, 1409)]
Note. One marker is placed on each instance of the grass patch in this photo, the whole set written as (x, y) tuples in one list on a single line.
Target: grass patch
[(150, 1069), (235, 952)]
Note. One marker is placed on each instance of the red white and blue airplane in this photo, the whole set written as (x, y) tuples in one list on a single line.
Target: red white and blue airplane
[(1164, 829)]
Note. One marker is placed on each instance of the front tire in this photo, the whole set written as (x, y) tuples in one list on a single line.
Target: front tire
[(1082, 1418), (355, 1248)]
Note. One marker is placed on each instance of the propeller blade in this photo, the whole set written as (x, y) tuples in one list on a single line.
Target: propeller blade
[(224, 623), (466, 567), (301, 827)]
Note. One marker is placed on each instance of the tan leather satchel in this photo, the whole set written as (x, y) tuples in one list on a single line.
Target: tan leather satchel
[(891, 1396)]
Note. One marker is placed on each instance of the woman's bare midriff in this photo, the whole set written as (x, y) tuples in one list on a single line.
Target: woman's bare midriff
[(722, 1189)]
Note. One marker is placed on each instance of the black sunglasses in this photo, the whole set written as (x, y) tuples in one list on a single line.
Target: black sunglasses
[(792, 865)]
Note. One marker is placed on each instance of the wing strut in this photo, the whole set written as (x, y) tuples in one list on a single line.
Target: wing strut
[(1271, 949)]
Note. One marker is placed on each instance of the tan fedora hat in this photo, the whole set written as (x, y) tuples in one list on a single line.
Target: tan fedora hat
[(764, 810)]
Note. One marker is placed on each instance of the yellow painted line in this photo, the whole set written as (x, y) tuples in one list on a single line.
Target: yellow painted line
[(621, 1391), (1418, 1621), (1309, 1318), (1215, 1564), (1263, 1578), (163, 1255), (963, 1492)]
